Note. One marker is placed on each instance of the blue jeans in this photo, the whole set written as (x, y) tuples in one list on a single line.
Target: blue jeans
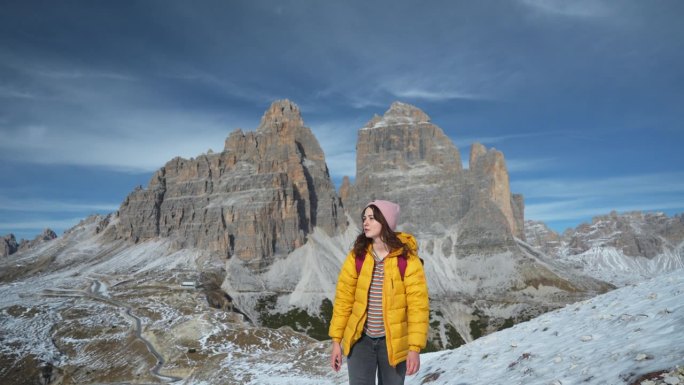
[(368, 356)]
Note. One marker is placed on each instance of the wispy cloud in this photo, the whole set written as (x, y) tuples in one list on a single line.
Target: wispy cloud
[(581, 209), (433, 95), (662, 183), (439, 85), (462, 75), (221, 84), (575, 8), (74, 74), (489, 140), (527, 165), (136, 142), (568, 200), (39, 224), (14, 93), (42, 205)]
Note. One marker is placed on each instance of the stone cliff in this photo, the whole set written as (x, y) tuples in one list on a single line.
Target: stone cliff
[(402, 156), (267, 205), (635, 234), (9, 245), (258, 198), (539, 235), (469, 225), (619, 248)]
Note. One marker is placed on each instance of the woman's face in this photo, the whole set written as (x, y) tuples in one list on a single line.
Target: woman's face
[(371, 227)]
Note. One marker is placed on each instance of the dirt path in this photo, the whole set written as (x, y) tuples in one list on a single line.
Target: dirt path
[(94, 292)]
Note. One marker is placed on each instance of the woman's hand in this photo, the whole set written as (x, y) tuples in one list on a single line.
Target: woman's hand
[(336, 356), (412, 363)]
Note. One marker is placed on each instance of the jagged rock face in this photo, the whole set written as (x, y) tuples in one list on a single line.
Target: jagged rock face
[(403, 157), (345, 188), (45, 236), (635, 234), (539, 235), (8, 245), (484, 231), (469, 226), (490, 179), (259, 198), (399, 157)]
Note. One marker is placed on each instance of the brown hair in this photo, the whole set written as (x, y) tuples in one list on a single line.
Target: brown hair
[(386, 234)]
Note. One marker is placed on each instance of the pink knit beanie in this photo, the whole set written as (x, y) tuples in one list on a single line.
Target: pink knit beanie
[(389, 210)]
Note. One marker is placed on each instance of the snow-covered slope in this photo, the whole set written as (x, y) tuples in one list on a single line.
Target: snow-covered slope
[(612, 265), (615, 338), (76, 304)]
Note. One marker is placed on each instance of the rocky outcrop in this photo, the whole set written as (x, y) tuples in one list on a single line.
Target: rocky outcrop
[(258, 198), (45, 236), (489, 177), (344, 189), (484, 231), (539, 235), (8, 245), (403, 157), (469, 225), (618, 248), (635, 234), (398, 157)]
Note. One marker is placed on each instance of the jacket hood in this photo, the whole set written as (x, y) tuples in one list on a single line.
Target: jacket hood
[(410, 241)]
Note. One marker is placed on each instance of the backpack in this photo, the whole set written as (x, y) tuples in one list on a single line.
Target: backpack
[(402, 260)]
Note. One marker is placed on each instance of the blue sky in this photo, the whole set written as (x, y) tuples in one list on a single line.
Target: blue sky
[(584, 98)]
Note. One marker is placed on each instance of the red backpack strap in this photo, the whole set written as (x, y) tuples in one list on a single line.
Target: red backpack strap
[(359, 262), (402, 261)]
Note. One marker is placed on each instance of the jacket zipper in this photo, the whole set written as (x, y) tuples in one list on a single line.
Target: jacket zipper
[(385, 307), (365, 313)]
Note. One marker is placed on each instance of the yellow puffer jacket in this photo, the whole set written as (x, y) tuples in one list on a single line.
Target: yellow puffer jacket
[(404, 303)]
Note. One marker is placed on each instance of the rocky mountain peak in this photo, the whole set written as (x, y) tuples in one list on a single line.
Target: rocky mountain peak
[(9, 245), (538, 234), (281, 115), (486, 160), (635, 234), (399, 113), (401, 155), (477, 150), (488, 169), (257, 199)]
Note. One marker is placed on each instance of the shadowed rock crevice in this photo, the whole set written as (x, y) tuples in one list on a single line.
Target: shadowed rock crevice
[(313, 198)]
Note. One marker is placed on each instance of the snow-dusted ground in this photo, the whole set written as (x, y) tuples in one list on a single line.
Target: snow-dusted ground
[(610, 339), (611, 265)]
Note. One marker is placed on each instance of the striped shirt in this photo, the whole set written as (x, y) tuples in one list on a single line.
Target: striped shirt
[(375, 326)]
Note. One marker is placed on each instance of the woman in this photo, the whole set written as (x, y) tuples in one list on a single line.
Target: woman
[(380, 315)]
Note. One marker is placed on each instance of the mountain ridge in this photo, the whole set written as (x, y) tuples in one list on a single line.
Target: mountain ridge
[(263, 221)]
